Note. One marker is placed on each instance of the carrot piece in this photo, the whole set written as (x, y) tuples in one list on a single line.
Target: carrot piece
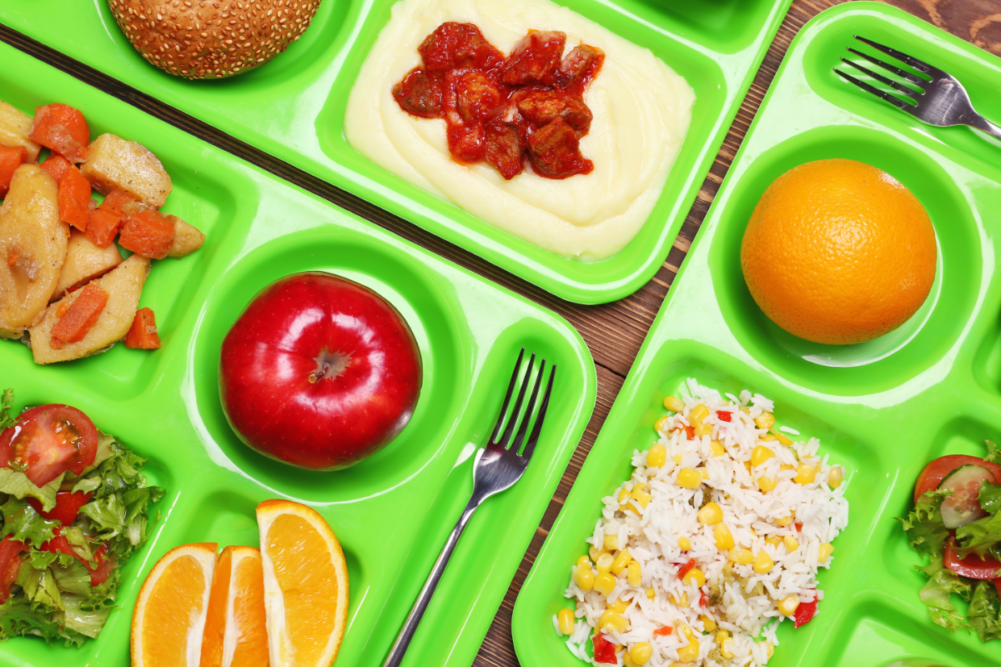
[(56, 165), (102, 227), (80, 317), (147, 233), (121, 204), (63, 130), (143, 335), (74, 199), (11, 157)]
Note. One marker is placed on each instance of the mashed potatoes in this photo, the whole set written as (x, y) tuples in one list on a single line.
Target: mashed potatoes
[(642, 110)]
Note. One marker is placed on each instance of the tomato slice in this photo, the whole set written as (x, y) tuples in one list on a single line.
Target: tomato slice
[(805, 613), (99, 569), (10, 564), (604, 650), (67, 506), (47, 441), (935, 472), (973, 566)]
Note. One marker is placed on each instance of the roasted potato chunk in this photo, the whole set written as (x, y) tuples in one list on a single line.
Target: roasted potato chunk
[(187, 238), (84, 262), (115, 163), (33, 245), (124, 286), (14, 130)]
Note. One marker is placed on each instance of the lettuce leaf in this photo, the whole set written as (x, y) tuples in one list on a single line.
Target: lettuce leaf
[(18, 618), (985, 611), (990, 497), (7, 417), (993, 452), (24, 524), (936, 594), (39, 587), (978, 537), (72, 577), (78, 617), (925, 531), (17, 484)]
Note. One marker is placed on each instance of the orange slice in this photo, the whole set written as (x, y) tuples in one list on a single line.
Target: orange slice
[(169, 617), (305, 585), (235, 630)]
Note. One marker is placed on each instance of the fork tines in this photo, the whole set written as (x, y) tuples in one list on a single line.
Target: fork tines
[(917, 81), (515, 443)]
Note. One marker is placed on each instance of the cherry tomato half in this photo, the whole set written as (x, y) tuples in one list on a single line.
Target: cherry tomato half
[(67, 506), (99, 569), (10, 564), (47, 441), (973, 566), (936, 471)]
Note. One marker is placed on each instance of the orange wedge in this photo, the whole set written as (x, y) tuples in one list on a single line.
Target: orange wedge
[(169, 617), (235, 631), (305, 585)]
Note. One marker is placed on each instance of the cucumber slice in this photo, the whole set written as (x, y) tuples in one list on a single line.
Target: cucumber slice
[(963, 507)]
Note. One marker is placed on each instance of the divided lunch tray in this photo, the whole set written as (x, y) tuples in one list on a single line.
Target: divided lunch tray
[(293, 108), (393, 511), (884, 409)]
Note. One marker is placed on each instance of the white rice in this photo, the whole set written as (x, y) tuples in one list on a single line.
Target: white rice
[(738, 604)]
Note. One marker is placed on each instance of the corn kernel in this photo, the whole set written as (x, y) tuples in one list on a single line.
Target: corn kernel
[(689, 479), (627, 661), (661, 424), (583, 577), (605, 561), (695, 576), (717, 448), (703, 429), (566, 621), (825, 552), (593, 553), (791, 543), (584, 560), (650, 593), (619, 605), (769, 649), (835, 477), (639, 486), (760, 455), (657, 456), (765, 420), (684, 543), (805, 474), (763, 563), (689, 653), (641, 653), (612, 620), (724, 538), (708, 623), (674, 404), (697, 415), (604, 583), (786, 466), (704, 473), (642, 498), (784, 521), (683, 602), (623, 496), (741, 556), (611, 542), (620, 562), (789, 605), (767, 484), (687, 631), (634, 574), (721, 636), (768, 437), (710, 515), (726, 648), (774, 540)]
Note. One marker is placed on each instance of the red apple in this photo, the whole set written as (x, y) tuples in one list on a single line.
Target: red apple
[(319, 372)]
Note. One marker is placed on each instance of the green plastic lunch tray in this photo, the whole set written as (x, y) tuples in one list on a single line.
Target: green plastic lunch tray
[(883, 409), (293, 108), (393, 511)]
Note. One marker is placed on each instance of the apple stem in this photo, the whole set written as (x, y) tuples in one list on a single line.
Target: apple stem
[(329, 364)]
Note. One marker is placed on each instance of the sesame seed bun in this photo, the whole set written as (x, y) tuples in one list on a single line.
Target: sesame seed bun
[(212, 39)]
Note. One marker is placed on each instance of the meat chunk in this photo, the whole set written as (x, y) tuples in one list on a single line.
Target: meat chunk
[(419, 94), (476, 96), (540, 107), (505, 147), (467, 143), (458, 45), (534, 59), (554, 151), (579, 67)]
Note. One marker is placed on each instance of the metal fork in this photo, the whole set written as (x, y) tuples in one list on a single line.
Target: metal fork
[(496, 468), (941, 100)]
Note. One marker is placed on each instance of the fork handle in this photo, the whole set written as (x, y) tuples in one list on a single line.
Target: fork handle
[(424, 598), (987, 126)]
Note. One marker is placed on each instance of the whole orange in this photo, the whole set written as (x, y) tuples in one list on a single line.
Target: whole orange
[(838, 252)]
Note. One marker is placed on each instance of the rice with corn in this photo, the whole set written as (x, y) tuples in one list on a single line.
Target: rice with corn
[(724, 487)]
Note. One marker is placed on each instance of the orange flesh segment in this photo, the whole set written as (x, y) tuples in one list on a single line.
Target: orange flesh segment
[(176, 596), (308, 582), (215, 619), (246, 586)]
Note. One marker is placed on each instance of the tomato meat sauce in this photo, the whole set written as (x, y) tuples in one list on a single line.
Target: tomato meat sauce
[(504, 111)]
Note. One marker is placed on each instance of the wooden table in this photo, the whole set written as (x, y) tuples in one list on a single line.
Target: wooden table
[(613, 332)]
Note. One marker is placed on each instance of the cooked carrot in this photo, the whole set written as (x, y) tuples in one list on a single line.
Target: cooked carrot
[(143, 334), (62, 129), (147, 233), (56, 165), (74, 199), (102, 227), (80, 317), (11, 157), (121, 204)]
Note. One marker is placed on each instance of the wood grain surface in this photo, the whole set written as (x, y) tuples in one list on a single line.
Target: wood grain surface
[(613, 332)]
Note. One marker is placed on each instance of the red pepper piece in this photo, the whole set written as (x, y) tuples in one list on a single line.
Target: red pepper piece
[(686, 568), (805, 612), (723, 415), (604, 650)]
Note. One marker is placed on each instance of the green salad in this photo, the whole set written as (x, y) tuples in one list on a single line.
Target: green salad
[(956, 524), (73, 508)]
